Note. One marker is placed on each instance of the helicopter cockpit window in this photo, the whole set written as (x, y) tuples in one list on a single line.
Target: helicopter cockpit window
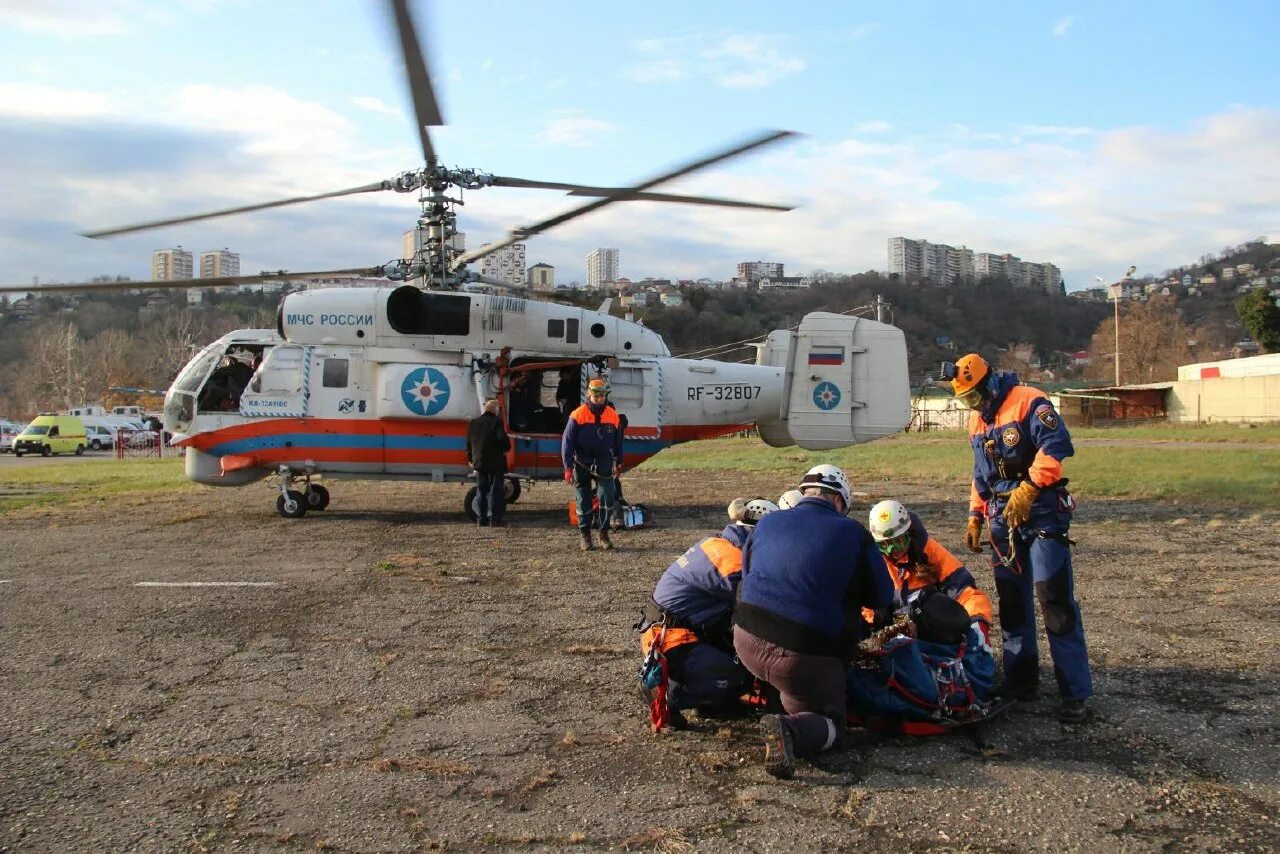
[(555, 328), (335, 373), (414, 312), (281, 373)]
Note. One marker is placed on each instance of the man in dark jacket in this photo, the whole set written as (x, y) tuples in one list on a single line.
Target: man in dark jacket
[(806, 575), (591, 448), (487, 446)]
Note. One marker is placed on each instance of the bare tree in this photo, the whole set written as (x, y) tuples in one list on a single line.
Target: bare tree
[(1153, 342)]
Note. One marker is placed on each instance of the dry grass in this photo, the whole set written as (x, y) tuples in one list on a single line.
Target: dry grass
[(667, 839), (423, 764)]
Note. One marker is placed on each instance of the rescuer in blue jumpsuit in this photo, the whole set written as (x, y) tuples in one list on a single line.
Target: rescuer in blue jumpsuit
[(1019, 443)]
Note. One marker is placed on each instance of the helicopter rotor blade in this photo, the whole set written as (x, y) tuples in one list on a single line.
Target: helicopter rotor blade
[(628, 195), (160, 223), (425, 107), (523, 233), (181, 284)]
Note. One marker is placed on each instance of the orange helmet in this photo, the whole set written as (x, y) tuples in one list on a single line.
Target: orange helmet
[(970, 371)]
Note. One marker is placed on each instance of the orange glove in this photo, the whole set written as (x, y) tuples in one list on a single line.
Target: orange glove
[(1018, 510), (973, 534)]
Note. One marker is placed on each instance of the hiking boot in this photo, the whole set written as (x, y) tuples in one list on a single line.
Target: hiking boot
[(1020, 693), (482, 523), (779, 751), (605, 542), (1073, 711), (498, 523), (586, 544)]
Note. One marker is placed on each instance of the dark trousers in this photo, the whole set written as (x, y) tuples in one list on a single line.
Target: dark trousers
[(812, 687), (587, 485), (492, 496)]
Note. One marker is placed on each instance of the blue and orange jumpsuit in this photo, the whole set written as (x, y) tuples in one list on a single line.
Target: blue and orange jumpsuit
[(695, 594), (591, 448), (928, 564), (1018, 436)]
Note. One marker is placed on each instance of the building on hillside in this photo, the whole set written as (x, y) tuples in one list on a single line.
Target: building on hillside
[(1023, 274), (671, 299), (1187, 280), (602, 266), (506, 264), (412, 241), (216, 264), (169, 265), (542, 277), (1209, 280), (1228, 273), (779, 283), (938, 263), (753, 271)]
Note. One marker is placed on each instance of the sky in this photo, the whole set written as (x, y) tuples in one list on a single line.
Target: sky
[(1092, 135)]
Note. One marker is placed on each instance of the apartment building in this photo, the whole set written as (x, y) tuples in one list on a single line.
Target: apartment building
[(219, 263), (752, 272), (1023, 274), (938, 263), (168, 265), (507, 264), (602, 266), (542, 277)]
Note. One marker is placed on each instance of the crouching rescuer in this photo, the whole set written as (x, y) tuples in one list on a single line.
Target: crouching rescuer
[(591, 448), (807, 572), (687, 630), (1019, 444)]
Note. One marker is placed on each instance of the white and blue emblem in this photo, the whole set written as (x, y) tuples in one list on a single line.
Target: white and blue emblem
[(425, 391), (826, 395)]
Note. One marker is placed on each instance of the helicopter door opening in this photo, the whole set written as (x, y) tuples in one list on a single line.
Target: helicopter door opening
[(635, 391), (279, 387), (540, 394), (226, 386)]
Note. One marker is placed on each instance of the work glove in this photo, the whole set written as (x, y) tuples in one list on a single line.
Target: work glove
[(973, 534), (1018, 509), (568, 475)]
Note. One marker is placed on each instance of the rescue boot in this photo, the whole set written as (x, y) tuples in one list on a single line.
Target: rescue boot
[(605, 542), (1073, 711), (586, 545), (779, 750)]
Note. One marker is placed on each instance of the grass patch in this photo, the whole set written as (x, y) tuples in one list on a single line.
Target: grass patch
[(1210, 475), (1260, 434), (82, 480)]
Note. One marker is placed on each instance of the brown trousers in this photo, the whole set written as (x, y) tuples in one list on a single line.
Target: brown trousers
[(813, 689)]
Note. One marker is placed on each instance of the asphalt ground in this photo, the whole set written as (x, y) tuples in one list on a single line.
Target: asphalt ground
[(397, 679)]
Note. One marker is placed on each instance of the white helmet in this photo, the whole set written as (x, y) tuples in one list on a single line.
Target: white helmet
[(888, 519), (827, 477), (748, 511), (789, 499)]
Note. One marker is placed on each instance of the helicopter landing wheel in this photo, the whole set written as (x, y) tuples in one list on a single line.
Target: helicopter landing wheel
[(317, 497), (511, 489), (471, 504), (292, 505)]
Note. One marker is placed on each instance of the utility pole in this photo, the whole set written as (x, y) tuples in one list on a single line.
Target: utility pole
[(880, 307)]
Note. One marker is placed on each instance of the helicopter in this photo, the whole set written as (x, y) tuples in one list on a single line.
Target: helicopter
[(380, 382)]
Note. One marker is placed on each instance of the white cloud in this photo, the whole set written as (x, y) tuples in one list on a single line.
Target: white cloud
[(74, 19), (735, 61), (860, 31), (29, 100), (575, 129), (875, 126), (1061, 26), (1052, 130), (376, 105)]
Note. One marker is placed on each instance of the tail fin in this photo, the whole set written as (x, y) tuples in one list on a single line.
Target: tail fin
[(845, 382)]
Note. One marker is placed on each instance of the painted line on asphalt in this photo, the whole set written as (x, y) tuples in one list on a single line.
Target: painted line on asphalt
[(206, 584)]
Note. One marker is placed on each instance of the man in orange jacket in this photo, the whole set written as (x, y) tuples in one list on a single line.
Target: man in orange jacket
[(591, 448), (1019, 443)]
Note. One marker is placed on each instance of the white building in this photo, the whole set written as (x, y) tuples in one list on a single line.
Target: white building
[(219, 263), (933, 262), (542, 277), (753, 271), (781, 283), (506, 265), (602, 266)]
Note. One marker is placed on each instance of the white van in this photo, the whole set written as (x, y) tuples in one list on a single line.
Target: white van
[(8, 430), (100, 436)]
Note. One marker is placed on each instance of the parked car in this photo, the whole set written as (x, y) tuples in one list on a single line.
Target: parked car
[(101, 437), (8, 432)]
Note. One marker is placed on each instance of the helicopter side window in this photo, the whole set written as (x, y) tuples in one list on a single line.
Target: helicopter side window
[(412, 312), (335, 373), (571, 331), (555, 328)]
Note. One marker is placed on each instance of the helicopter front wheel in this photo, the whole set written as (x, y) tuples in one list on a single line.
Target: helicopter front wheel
[(317, 497), (292, 505)]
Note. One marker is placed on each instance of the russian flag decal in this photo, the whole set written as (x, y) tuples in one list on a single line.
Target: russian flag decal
[(826, 356)]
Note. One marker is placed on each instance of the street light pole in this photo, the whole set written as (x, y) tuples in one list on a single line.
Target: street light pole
[(1117, 289)]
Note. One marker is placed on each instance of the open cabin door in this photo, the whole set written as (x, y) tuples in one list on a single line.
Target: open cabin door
[(635, 391), (279, 388)]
